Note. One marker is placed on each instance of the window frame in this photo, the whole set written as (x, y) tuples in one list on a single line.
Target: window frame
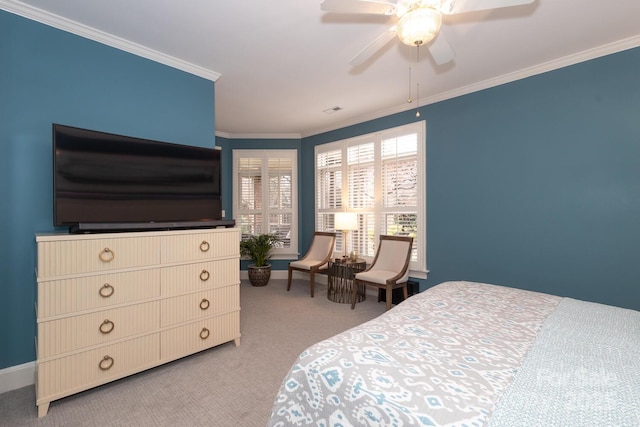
[(265, 211), (417, 267)]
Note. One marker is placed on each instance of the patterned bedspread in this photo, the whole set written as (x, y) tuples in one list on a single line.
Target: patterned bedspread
[(443, 357)]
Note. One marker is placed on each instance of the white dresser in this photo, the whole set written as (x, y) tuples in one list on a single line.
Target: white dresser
[(111, 305)]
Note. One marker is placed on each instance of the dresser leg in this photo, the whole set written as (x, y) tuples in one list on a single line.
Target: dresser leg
[(43, 409), (236, 341)]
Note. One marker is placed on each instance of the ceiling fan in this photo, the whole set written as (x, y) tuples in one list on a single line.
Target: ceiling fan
[(417, 21)]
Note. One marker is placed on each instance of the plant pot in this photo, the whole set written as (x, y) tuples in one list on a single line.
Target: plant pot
[(259, 276)]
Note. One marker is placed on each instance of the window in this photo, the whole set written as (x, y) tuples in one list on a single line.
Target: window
[(381, 177), (265, 195)]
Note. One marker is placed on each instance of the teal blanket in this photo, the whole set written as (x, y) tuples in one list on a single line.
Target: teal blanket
[(583, 370)]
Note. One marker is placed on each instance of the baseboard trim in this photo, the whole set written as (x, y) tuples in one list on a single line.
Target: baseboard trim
[(283, 274), (15, 377)]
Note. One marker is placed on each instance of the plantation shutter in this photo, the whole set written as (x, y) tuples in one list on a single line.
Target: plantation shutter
[(328, 188), (380, 177), (399, 193), (361, 191), (265, 196), (280, 172), (249, 214)]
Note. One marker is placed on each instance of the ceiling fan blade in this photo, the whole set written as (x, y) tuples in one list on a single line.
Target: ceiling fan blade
[(450, 7), (376, 7), (441, 50), (373, 47)]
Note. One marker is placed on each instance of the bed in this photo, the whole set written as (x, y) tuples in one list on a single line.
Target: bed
[(472, 354)]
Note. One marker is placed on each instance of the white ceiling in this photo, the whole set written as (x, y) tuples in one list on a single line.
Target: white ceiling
[(277, 65)]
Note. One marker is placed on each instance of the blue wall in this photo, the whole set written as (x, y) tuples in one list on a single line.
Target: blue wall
[(536, 184), (48, 76), (533, 184)]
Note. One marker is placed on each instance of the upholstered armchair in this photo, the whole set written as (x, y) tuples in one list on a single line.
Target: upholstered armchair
[(390, 268), (316, 259)]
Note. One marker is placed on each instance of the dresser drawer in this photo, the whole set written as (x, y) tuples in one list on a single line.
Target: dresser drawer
[(205, 275), (67, 375), (199, 305), (77, 332), (73, 257), (200, 335), (111, 305), (200, 246), (59, 297)]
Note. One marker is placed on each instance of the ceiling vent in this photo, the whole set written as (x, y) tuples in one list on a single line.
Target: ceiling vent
[(332, 110)]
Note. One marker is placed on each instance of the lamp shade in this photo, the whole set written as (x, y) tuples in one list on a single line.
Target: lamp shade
[(346, 221), (419, 26)]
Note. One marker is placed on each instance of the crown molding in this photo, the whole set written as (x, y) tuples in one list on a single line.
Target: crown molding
[(555, 64), (604, 50), (39, 15), (64, 24), (258, 135)]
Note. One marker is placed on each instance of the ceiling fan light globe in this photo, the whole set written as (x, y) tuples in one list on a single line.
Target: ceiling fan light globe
[(419, 26)]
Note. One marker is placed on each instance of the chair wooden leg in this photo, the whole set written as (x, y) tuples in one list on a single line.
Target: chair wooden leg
[(405, 292), (389, 296), (311, 282), (289, 282)]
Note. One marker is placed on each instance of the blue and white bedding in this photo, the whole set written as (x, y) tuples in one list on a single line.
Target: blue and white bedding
[(472, 354)]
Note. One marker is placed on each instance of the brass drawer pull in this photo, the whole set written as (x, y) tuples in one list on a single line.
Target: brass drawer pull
[(106, 363), (204, 275), (204, 333), (106, 290), (204, 304), (107, 255), (204, 246), (107, 326)]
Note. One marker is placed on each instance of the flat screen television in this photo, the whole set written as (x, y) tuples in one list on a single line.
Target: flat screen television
[(106, 182)]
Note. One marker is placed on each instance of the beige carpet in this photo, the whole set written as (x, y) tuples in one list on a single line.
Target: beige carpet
[(223, 386)]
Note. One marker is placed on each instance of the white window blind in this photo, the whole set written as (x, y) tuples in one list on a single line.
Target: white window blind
[(265, 195), (385, 185)]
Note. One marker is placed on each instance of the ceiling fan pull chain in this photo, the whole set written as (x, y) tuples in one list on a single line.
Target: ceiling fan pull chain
[(409, 100), (417, 99), (418, 83)]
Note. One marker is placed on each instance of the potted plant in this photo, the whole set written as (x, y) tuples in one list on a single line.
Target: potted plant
[(258, 248)]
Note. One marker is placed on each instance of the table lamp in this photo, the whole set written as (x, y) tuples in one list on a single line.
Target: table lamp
[(345, 221)]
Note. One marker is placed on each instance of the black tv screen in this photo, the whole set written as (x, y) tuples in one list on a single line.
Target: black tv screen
[(103, 180)]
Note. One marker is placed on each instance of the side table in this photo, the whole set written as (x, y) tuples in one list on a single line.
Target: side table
[(340, 276)]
